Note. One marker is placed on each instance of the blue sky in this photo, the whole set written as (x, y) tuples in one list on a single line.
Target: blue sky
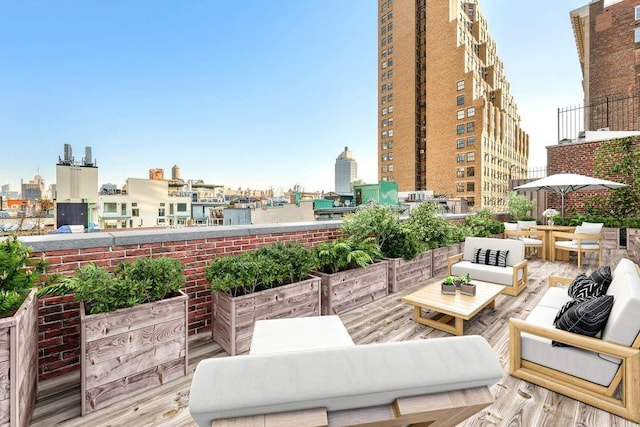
[(252, 94)]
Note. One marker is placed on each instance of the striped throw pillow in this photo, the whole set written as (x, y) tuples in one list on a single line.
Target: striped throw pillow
[(584, 287), (494, 257)]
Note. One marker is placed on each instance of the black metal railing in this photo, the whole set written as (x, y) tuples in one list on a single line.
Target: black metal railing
[(613, 112)]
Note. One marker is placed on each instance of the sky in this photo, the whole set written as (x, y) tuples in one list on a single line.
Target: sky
[(255, 94)]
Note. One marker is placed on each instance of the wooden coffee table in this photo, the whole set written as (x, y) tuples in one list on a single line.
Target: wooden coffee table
[(451, 310)]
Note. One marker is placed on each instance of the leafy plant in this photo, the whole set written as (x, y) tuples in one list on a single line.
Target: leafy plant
[(457, 280), (519, 206), (403, 242), (377, 221), (17, 274), (482, 224), (270, 266), (343, 254), (432, 230), (144, 280)]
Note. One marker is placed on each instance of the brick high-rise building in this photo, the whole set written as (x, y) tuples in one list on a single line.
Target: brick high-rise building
[(446, 119), (607, 34)]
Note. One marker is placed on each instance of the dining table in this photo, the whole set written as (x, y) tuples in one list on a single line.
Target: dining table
[(548, 239)]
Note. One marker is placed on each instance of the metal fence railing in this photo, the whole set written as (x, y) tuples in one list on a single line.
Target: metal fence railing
[(613, 112)]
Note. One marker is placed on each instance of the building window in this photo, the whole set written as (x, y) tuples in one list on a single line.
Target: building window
[(384, 111), (135, 212), (637, 12), (383, 77), (460, 129), (384, 30), (389, 85), (390, 97), (390, 50), (384, 134), (471, 126), (460, 100), (471, 186), (471, 140), (390, 156), (384, 18), (110, 208), (471, 111), (384, 168), (390, 26), (390, 168), (384, 145), (384, 65), (383, 88), (384, 123), (460, 85), (460, 172), (123, 209), (390, 38), (471, 156), (384, 157), (637, 35), (161, 212), (459, 158), (390, 109), (384, 42), (460, 143), (390, 73), (390, 121), (460, 187), (460, 114), (390, 144), (471, 201), (171, 209), (471, 171)]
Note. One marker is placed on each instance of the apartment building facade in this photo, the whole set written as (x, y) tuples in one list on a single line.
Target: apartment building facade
[(447, 121)]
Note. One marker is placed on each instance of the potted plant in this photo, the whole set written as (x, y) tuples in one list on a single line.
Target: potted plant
[(18, 332), (519, 206), (551, 214), (448, 287), (349, 275), (133, 327), (273, 281), (399, 244)]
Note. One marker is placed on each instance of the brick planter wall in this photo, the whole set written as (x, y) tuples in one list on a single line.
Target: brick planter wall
[(59, 317)]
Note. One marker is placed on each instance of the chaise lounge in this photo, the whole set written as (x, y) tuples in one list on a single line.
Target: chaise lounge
[(442, 380)]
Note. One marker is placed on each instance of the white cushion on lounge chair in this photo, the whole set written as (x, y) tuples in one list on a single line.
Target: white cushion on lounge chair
[(572, 244), (485, 273), (529, 241), (339, 378)]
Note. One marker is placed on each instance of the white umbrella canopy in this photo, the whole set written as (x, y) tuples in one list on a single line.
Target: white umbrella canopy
[(564, 183)]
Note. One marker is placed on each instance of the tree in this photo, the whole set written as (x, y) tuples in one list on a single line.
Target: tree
[(519, 206)]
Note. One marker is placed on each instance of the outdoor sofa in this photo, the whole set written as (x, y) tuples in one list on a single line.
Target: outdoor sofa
[(511, 273), (331, 381), (589, 369)]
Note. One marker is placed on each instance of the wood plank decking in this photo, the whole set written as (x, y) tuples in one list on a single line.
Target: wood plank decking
[(518, 403)]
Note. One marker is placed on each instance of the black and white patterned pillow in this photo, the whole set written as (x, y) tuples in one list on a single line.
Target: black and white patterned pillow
[(490, 257), (586, 318), (602, 276), (563, 310), (583, 288)]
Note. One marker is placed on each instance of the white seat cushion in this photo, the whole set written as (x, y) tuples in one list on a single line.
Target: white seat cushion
[(555, 297), (485, 273), (573, 361), (515, 248), (570, 244), (338, 378), (528, 241), (299, 333)]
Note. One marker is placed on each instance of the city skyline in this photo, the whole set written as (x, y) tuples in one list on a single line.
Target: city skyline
[(255, 97)]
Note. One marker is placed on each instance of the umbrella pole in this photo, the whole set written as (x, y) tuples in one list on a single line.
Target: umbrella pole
[(562, 207)]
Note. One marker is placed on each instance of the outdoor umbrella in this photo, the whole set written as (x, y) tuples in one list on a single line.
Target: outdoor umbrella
[(564, 183)]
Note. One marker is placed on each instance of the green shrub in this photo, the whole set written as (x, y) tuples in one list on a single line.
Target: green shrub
[(144, 280), (519, 206), (482, 224), (403, 242), (432, 230), (268, 267), (17, 275), (344, 254), (377, 221)]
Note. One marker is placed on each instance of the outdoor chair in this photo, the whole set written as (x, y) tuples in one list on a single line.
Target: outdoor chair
[(526, 225), (534, 242), (585, 238)]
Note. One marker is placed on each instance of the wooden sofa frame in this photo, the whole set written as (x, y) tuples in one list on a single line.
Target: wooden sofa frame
[(532, 234), (441, 409), (579, 237), (516, 287), (626, 405)]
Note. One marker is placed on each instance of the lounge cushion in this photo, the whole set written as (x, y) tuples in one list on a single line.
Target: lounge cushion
[(555, 297), (587, 229), (624, 320), (515, 248), (586, 317), (570, 245), (485, 273), (571, 360), (339, 378)]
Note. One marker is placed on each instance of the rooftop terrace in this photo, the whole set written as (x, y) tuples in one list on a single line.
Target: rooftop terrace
[(517, 402)]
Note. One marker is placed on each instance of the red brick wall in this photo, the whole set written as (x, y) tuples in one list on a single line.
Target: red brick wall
[(59, 317), (575, 158)]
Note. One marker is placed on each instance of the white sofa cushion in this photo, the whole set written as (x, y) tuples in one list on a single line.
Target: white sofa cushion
[(573, 361), (485, 273), (515, 248), (573, 244), (624, 320), (555, 297), (339, 378)]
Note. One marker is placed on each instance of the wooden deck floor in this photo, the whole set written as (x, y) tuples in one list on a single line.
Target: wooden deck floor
[(518, 403)]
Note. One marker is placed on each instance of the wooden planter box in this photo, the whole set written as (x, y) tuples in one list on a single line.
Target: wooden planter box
[(131, 350), (19, 364), (611, 238), (346, 290), (404, 273), (441, 256), (633, 244), (234, 317)]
